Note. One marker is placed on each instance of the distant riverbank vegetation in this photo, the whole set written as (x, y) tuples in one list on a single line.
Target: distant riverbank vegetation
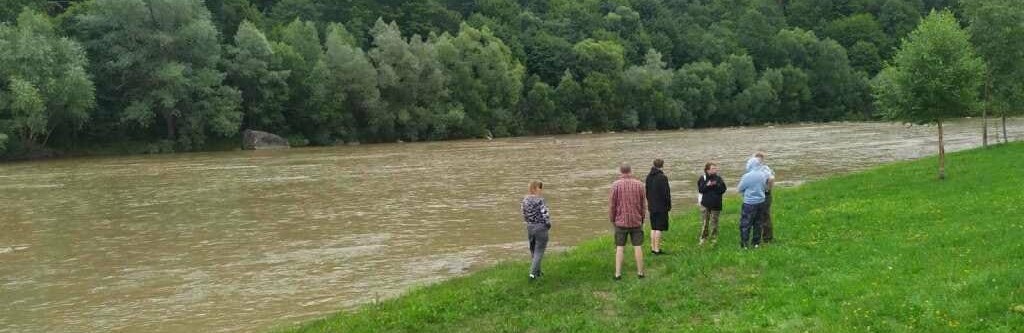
[(182, 75)]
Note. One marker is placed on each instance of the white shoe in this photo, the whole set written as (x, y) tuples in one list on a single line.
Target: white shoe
[(532, 277), (701, 242)]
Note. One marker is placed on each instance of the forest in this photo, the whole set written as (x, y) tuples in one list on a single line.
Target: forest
[(180, 75)]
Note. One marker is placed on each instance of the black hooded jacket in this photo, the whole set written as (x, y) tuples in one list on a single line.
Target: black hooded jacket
[(659, 197)]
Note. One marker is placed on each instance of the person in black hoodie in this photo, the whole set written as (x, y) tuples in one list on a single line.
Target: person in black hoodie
[(711, 187), (659, 203)]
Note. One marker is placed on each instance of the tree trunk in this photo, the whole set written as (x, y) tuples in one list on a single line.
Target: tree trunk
[(984, 111), (171, 124), (1005, 138), (48, 133), (984, 127), (942, 154)]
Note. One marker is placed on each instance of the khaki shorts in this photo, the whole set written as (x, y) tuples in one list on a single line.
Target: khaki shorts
[(636, 236)]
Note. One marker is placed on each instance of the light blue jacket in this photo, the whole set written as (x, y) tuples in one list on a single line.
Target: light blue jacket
[(753, 183)]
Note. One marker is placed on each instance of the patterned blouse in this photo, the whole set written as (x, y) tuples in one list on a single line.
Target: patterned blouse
[(535, 210)]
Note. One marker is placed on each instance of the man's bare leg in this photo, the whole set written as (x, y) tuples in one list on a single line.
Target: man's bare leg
[(618, 260), (656, 240)]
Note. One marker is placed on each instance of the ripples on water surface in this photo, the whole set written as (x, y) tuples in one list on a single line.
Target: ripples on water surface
[(245, 241)]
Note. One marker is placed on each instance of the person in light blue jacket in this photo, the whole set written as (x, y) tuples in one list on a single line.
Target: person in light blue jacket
[(752, 186)]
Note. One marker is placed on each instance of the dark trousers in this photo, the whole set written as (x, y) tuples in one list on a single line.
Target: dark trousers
[(537, 234), (750, 224), (766, 221)]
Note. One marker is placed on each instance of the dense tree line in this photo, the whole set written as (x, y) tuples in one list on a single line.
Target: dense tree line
[(178, 73)]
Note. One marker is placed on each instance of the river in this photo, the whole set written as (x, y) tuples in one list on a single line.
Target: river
[(251, 240)]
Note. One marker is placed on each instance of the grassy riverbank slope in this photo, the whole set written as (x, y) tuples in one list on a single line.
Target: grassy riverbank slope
[(890, 249)]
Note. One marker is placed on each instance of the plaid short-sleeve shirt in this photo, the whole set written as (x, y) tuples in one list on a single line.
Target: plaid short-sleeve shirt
[(626, 203)]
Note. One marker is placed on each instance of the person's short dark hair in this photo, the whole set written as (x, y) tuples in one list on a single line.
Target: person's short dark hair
[(659, 163), (625, 168), (759, 154), (708, 166)]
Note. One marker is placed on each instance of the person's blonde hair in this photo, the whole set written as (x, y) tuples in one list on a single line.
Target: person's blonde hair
[(536, 186)]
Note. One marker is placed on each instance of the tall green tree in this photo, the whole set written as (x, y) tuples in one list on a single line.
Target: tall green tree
[(412, 85), (344, 87), (837, 90), (548, 55), (157, 65), (934, 76), (864, 40), (484, 78), (599, 56), (997, 30), (761, 99), (44, 87), (794, 94), (603, 110), (696, 86), (298, 50), (569, 98), (251, 69), (648, 98), (600, 63), (541, 112), (755, 31)]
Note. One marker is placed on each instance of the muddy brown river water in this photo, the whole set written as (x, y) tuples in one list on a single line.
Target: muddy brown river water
[(250, 240)]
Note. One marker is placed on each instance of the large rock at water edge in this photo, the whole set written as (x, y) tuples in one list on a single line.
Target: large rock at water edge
[(262, 140)]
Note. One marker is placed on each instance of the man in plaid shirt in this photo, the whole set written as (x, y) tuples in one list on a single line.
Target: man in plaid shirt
[(626, 211)]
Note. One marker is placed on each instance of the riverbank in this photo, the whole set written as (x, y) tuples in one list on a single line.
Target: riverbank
[(125, 148), (131, 148), (890, 249)]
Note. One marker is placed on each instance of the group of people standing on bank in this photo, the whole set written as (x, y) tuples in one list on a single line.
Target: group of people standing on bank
[(630, 201)]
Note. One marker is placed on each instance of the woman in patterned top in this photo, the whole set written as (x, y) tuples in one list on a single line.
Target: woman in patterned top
[(538, 221)]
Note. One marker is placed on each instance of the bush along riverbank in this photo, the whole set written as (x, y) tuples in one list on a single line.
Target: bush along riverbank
[(889, 249)]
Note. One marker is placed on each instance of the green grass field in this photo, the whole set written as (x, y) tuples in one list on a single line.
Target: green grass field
[(890, 249)]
